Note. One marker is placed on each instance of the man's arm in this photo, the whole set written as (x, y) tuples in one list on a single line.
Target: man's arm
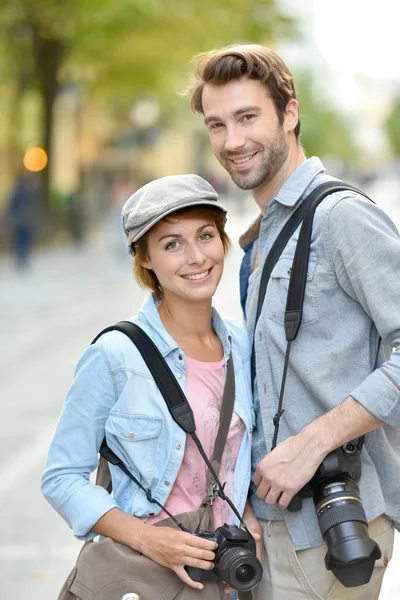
[(283, 472)]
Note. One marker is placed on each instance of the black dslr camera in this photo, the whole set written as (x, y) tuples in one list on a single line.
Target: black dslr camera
[(351, 552), (235, 559)]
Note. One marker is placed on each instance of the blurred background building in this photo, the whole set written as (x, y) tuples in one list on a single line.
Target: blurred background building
[(97, 89)]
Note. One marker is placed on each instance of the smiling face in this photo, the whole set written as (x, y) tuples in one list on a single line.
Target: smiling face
[(245, 132), (187, 256)]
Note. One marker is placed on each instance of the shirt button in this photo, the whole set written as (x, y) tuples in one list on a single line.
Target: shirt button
[(180, 357), (289, 272), (179, 375), (178, 446), (131, 434), (166, 482), (151, 514)]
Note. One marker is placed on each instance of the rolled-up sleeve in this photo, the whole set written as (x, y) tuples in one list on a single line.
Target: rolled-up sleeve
[(73, 453), (364, 247)]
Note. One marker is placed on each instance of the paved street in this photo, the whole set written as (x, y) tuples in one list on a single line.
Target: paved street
[(47, 317)]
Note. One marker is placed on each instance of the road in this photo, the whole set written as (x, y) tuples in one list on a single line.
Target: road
[(47, 317)]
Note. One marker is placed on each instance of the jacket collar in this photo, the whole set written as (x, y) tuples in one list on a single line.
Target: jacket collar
[(289, 194), (149, 318)]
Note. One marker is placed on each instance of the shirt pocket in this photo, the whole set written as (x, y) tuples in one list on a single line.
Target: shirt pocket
[(139, 436), (278, 289)]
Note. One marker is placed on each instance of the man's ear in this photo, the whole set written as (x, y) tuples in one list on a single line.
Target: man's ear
[(291, 115)]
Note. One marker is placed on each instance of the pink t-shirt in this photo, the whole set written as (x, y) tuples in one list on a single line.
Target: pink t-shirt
[(204, 389)]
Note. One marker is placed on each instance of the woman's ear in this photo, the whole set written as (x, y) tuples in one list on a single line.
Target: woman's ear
[(147, 264)]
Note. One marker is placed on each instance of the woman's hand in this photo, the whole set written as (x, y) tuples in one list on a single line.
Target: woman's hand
[(177, 549)]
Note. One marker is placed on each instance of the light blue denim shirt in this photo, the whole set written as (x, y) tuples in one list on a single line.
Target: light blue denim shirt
[(114, 394), (352, 297)]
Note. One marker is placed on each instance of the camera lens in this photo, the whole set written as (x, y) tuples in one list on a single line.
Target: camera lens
[(239, 568), (244, 573), (351, 552)]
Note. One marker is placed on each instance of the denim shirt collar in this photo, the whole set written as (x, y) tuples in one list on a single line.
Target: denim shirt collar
[(298, 182), (149, 316), (289, 194)]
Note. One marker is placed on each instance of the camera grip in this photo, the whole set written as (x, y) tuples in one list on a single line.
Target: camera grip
[(295, 504), (195, 573)]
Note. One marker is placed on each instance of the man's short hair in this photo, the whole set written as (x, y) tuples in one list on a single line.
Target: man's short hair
[(250, 61)]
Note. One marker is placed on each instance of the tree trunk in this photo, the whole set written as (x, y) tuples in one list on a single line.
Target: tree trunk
[(49, 55)]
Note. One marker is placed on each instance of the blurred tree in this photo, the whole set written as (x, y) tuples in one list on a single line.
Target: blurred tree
[(117, 50), (393, 127), (324, 131)]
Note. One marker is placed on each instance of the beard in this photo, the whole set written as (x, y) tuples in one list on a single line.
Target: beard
[(272, 156)]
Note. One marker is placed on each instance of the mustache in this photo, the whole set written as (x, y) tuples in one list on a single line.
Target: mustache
[(234, 155)]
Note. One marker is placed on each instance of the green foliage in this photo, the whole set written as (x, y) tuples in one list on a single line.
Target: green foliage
[(117, 49), (324, 131), (393, 128)]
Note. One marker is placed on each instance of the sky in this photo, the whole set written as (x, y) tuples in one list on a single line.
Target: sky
[(360, 36), (353, 36)]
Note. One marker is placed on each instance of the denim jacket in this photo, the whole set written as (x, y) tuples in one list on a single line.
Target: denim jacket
[(113, 394), (352, 298)]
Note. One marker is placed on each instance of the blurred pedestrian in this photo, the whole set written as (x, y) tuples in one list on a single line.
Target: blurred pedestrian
[(124, 186), (339, 384), (21, 217), (175, 231)]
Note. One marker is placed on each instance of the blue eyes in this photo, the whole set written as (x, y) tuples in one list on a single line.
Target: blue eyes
[(203, 237), (171, 246)]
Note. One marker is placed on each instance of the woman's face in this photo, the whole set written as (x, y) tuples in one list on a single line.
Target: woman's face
[(187, 256)]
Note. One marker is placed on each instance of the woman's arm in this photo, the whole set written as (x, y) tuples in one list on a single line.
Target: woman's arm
[(89, 509), (73, 453), (166, 546)]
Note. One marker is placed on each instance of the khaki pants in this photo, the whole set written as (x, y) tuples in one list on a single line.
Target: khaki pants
[(291, 575)]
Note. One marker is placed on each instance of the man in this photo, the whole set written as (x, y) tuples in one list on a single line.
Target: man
[(337, 386)]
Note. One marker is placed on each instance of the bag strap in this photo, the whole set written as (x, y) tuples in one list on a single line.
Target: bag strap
[(298, 279), (298, 276), (312, 200), (177, 404), (170, 389), (226, 411)]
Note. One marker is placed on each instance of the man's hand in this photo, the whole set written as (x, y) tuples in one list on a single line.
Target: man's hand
[(283, 472)]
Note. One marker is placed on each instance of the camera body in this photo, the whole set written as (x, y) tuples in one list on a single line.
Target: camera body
[(342, 462), (235, 559), (351, 552)]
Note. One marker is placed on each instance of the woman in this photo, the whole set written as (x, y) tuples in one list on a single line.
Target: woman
[(175, 230)]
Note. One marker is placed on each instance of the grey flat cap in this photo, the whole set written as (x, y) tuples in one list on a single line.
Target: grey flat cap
[(161, 197)]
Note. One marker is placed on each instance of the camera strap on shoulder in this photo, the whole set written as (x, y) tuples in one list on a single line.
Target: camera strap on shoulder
[(180, 411), (294, 305)]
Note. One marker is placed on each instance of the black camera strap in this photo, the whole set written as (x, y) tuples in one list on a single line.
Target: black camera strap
[(298, 278), (180, 411)]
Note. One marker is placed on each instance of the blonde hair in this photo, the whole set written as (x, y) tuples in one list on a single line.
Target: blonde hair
[(250, 61), (146, 278)]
